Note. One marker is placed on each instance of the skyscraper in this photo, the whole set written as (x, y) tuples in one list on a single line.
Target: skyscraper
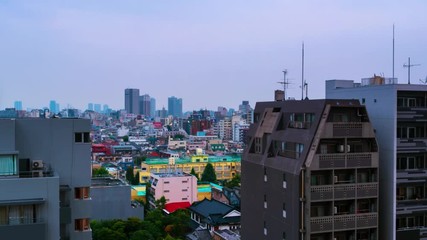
[(152, 107), (145, 105), (175, 106), (132, 100), (18, 105), (310, 172), (52, 107), (97, 107), (90, 107)]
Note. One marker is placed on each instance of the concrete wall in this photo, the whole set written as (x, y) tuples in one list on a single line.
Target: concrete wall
[(113, 202)]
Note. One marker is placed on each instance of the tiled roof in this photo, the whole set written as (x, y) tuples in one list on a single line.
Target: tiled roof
[(208, 207)]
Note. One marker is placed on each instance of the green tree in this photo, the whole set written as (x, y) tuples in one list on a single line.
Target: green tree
[(194, 173), (108, 234), (234, 182), (98, 172), (208, 174), (135, 180), (142, 234), (125, 138), (138, 160), (161, 203), (129, 175)]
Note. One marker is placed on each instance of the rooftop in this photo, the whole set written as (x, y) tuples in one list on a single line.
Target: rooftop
[(107, 182), (182, 160)]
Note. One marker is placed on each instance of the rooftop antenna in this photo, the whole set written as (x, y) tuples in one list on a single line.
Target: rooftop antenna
[(393, 55), (285, 83), (302, 73), (409, 65), (424, 81), (306, 90)]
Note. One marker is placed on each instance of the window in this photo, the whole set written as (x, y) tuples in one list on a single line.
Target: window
[(82, 137), (265, 201), (265, 174), (265, 228), (166, 191), (18, 214), (8, 165), (81, 193), (81, 224), (284, 236), (184, 199), (166, 182), (184, 190), (284, 180), (284, 210)]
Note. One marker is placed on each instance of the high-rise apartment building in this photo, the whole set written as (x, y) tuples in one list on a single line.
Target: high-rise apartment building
[(90, 106), (45, 179), (398, 113), (310, 172), (152, 107), (53, 107), (132, 100), (175, 106), (18, 105), (145, 105)]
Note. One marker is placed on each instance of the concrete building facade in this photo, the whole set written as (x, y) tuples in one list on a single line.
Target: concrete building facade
[(398, 113), (45, 179), (310, 172)]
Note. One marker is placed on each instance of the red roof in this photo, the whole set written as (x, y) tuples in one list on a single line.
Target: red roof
[(172, 207)]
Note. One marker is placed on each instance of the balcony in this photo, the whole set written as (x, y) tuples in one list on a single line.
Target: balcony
[(345, 160), (348, 129), (343, 222), (24, 228), (344, 191)]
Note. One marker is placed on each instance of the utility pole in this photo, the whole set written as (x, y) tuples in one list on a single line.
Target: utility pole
[(409, 65)]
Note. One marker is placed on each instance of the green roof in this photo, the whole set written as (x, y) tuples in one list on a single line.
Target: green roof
[(211, 159)]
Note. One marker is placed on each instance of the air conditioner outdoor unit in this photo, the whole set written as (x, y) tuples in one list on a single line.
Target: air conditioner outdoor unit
[(348, 148), (37, 173), (335, 179), (335, 210), (37, 164), (340, 148)]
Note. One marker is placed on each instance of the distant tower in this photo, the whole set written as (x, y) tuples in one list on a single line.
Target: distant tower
[(175, 106), (52, 106), (132, 100), (18, 105)]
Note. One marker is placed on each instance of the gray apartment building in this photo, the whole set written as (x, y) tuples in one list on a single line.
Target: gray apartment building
[(45, 179), (310, 172), (398, 113), (132, 100)]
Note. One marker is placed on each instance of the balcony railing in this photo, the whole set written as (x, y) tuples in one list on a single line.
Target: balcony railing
[(343, 222), (20, 221), (344, 191)]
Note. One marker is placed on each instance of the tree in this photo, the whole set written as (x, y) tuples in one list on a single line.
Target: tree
[(234, 182), (194, 173), (129, 175), (161, 203), (98, 172), (208, 174), (126, 138), (136, 179), (138, 160)]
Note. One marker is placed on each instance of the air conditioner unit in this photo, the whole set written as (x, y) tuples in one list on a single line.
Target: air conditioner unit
[(37, 173), (335, 179), (335, 210), (340, 148), (348, 148), (37, 164)]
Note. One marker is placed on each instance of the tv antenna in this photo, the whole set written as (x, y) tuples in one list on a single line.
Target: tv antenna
[(423, 81), (409, 65), (285, 83)]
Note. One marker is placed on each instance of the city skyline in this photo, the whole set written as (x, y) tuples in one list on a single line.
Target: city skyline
[(209, 54)]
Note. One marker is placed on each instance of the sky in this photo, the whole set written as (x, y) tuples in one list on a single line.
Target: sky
[(209, 53)]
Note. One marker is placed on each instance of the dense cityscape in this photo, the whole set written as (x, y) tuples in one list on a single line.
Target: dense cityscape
[(213, 120), (286, 169)]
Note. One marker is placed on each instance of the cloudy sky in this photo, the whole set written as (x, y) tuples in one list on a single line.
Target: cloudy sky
[(210, 53)]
